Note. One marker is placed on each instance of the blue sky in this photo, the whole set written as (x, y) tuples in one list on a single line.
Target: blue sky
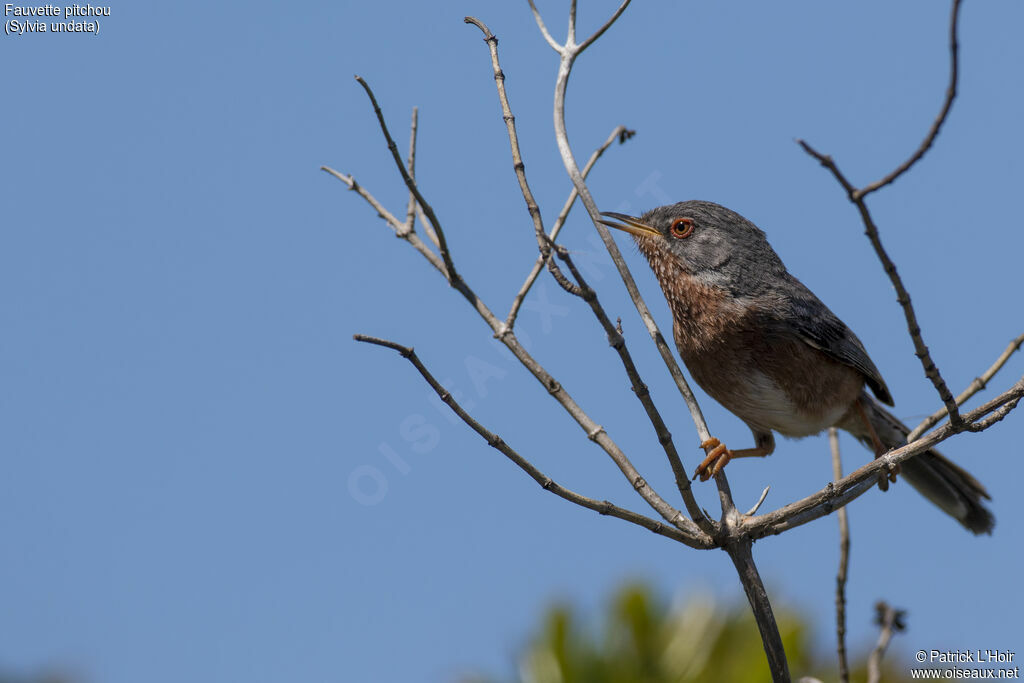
[(187, 425)]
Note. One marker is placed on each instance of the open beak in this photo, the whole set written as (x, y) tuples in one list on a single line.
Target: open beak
[(629, 224)]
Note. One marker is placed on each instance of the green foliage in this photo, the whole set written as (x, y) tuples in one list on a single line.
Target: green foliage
[(644, 640)]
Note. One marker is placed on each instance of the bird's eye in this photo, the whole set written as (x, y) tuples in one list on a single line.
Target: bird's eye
[(681, 228)]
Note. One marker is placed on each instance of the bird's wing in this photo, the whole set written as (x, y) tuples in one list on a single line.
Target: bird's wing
[(820, 328)]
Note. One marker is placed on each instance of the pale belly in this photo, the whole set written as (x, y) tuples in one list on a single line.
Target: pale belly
[(763, 405)]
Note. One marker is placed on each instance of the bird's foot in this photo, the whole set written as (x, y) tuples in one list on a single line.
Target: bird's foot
[(885, 477), (718, 456)]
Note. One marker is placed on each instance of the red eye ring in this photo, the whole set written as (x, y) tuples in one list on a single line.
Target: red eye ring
[(682, 228)]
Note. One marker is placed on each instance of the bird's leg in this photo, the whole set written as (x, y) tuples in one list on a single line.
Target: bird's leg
[(883, 478), (719, 456)]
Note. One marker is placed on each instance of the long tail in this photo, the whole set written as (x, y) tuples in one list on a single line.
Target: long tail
[(935, 477)]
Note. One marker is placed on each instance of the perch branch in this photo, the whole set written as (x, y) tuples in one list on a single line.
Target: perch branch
[(850, 487), (568, 54)]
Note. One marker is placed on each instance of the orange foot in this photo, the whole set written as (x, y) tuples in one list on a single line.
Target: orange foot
[(717, 458)]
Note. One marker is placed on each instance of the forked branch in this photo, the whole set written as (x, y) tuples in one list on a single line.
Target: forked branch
[(603, 507), (858, 196)]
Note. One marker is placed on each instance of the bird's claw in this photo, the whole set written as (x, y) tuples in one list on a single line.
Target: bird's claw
[(887, 476), (717, 457)]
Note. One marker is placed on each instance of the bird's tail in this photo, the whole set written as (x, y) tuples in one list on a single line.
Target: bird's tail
[(935, 477)]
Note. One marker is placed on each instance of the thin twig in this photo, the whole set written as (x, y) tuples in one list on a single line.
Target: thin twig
[(760, 501), (842, 492), (857, 197), (974, 387), (618, 342), (931, 370), (603, 507), (568, 55), (365, 194), (544, 29), (891, 621), (513, 137), (396, 225), (410, 165), (621, 133), (599, 32), (939, 120), (422, 217), (450, 274), (844, 560), (582, 289), (595, 432)]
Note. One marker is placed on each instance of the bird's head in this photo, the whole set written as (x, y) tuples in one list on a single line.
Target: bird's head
[(717, 246)]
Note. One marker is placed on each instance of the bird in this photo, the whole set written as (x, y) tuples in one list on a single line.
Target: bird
[(760, 343)]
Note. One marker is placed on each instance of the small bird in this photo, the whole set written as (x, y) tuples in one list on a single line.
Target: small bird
[(764, 346)]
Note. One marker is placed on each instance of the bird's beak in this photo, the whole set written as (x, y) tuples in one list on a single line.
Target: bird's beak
[(629, 224)]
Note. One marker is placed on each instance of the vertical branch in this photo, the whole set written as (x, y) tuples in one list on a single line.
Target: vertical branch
[(742, 557), (844, 559), (568, 56), (410, 164)]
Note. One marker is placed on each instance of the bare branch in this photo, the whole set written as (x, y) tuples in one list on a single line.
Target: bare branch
[(931, 371), (996, 416), (594, 431), (396, 225), (844, 560), (450, 273), (622, 134), (599, 32), (742, 557), (939, 120), (603, 507), (571, 40), (618, 342), (760, 501), (410, 165), (582, 290), (544, 29), (365, 194), (974, 387), (513, 137), (857, 197), (568, 159), (426, 225), (842, 492), (891, 621)]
